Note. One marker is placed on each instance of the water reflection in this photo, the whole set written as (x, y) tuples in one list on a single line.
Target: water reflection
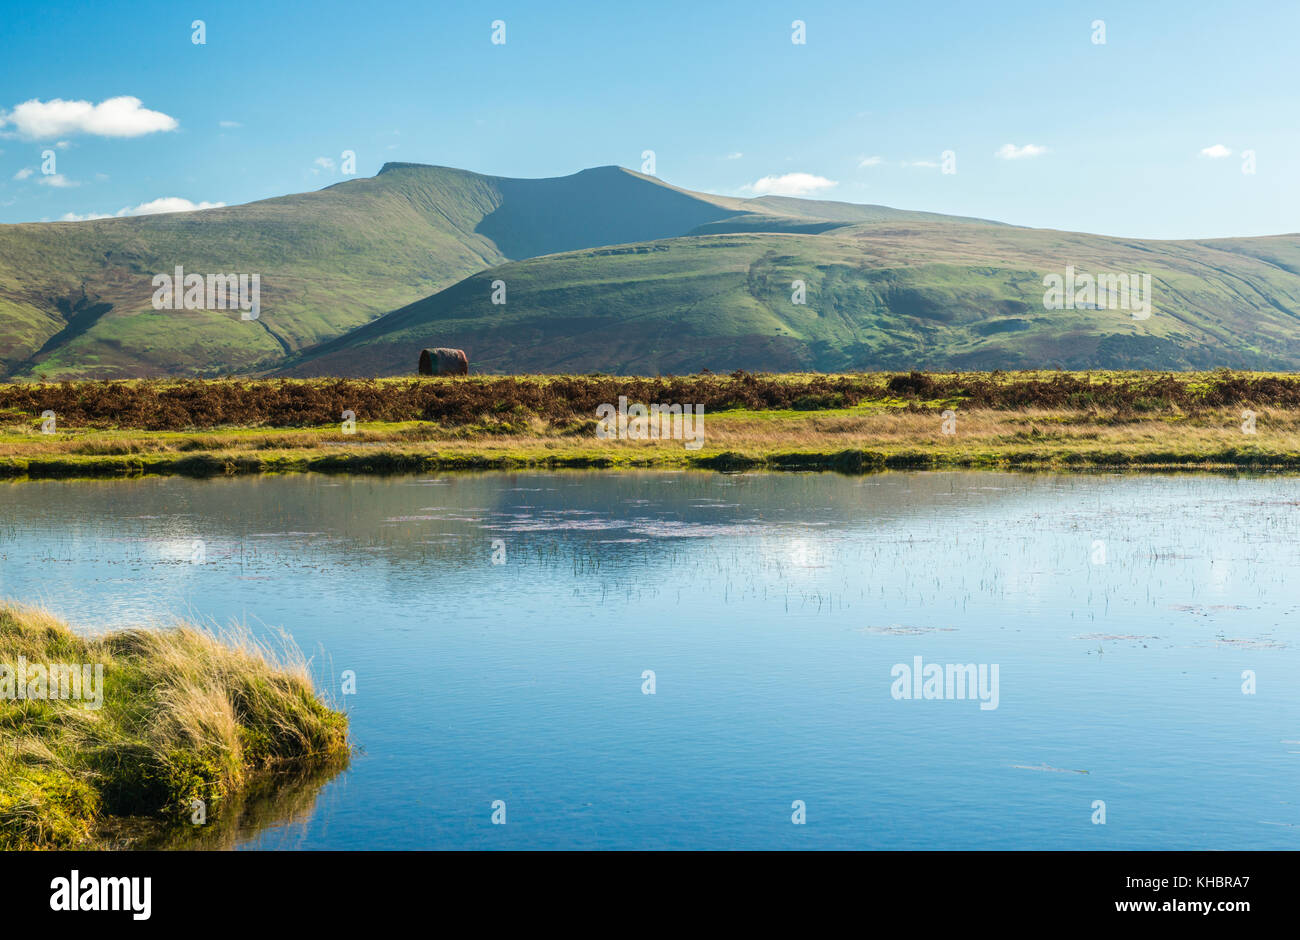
[(272, 810), (1123, 612)]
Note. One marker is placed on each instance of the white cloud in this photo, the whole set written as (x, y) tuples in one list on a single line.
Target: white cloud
[(1216, 152), (153, 207), (930, 164), (791, 184), (113, 117), (326, 162), (735, 156), (230, 124), (169, 204), (871, 161), (1012, 152), (57, 180)]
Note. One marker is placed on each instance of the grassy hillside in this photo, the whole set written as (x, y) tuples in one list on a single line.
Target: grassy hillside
[(75, 297), (882, 295), (329, 261), (609, 270)]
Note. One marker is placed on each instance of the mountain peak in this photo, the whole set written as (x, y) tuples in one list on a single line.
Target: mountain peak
[(607, 170), (400, 165)]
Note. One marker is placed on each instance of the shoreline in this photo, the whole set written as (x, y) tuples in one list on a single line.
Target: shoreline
[(851, 462)]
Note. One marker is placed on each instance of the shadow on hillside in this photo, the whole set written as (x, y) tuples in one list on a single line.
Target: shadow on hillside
[(591, 209)]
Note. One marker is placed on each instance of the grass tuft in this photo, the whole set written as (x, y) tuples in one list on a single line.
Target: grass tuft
[(186, 715)]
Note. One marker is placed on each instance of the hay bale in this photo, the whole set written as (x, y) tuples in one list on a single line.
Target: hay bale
[(442, 361)]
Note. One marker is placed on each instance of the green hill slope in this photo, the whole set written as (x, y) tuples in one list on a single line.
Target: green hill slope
[(888, 295), (75, 297), (614, 271)]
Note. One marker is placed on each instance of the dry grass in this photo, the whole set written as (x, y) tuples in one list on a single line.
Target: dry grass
[(186, 714), (1030, 437), (170, 405), (1075, 420)]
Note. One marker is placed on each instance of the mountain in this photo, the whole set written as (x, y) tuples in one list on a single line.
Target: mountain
[(610, 270), (76, 297), (884, 295)]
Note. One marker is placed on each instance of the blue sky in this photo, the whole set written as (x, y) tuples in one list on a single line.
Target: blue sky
[(717, 90)]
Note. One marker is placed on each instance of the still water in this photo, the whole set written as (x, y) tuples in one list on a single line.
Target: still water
[(503, 629)]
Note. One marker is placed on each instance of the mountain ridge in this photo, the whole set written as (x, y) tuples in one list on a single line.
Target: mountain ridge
[(355, 272)]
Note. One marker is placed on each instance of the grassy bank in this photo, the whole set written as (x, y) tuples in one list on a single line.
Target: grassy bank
[(851, 423), (182, 716)]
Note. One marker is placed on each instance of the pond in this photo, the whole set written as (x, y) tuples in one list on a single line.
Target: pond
[(694, 660)]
